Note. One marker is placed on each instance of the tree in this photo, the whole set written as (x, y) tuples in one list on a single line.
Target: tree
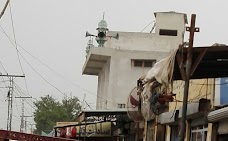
[(49, 111), (72, 107)]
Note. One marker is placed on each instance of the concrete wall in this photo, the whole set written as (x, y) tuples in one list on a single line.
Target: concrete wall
[(143, 41), (198, 88), (152, 41), (124, 76), (103, 85), (175, 21), (118, 77)]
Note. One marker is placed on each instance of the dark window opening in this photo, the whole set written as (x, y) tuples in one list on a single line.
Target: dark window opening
[(138, 63), (121, 106), (143, 63), (167, 32), (148, 63)]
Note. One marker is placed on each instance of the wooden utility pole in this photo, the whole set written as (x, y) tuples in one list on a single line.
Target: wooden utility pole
[(10, 98), (192, 29)]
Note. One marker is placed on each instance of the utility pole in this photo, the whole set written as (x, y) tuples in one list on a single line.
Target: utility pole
[(25, 131), (192, 29), (31, 128), (10, 98), (23, 122)]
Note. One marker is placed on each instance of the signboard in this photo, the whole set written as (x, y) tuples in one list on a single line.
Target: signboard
[(96, 130), (91, 130), (65, 123), (221, 91), (105, 118)]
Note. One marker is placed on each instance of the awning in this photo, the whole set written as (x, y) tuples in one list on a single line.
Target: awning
[(218, 115), (211, 59)]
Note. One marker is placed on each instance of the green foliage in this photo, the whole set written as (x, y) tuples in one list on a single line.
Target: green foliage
[(49, 111)]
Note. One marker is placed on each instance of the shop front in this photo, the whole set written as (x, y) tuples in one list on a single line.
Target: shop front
[(219, 118), (196, 124)]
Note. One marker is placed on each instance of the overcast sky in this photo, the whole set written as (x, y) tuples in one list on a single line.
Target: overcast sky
[(54, 32)]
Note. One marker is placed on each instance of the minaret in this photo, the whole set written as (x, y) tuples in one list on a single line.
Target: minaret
[(102, 31)]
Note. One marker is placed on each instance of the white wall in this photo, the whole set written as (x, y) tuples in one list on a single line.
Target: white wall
[(118, 77), (122, 76), (174, 21), (143, 41), (151, 41), (103, 85)]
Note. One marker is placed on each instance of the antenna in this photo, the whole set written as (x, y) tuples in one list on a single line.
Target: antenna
[(103, 15), (83, 103)]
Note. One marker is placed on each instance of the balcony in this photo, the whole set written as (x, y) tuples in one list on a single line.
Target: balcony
[(97, 57)]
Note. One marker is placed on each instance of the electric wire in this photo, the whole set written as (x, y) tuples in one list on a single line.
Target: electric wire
[(16, 88), (4, 81), (147, 26), (4, 71), (199, 92), (19, 90), (14, 35), (89, 105), (28, 62), (15, 43), (17, 107), (10, 39), (3, 67), (41, 75)]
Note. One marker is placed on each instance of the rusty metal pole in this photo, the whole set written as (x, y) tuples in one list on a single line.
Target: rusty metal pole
[(188, 71)]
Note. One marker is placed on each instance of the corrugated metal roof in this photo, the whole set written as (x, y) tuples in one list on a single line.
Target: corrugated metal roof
[(214, 62)]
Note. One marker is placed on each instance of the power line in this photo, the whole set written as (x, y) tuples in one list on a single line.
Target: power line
[(41, 75), (10, 99), (15, 41), (22, 126), (20, 90), (3, 67), (89, 105), (28, 62), (16, 88), (10, 39), (14, 35), (147, 26), (4, 71)]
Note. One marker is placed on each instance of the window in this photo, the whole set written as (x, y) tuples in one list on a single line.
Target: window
[(121, 106), (199, 133), (168, 32), (148, 63), (143, 63), (138, 63)]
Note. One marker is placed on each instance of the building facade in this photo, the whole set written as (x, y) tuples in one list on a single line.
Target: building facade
[(120, 62)]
